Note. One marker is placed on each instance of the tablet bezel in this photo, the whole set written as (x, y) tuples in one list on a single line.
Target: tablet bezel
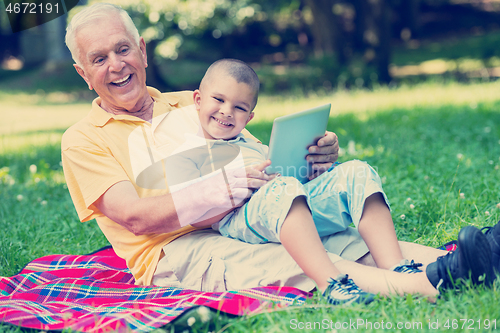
[(291, 136)]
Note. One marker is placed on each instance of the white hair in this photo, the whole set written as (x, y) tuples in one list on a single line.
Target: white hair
[(90, 14)]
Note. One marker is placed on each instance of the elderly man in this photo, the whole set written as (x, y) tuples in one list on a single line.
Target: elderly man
[(112, 162)]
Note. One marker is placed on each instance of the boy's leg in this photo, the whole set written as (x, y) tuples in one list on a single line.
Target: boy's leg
[(352, 193), (377, 229), (300, 238), (278, 212)]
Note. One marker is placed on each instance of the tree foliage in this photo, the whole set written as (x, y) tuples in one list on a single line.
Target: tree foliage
[(311, 43), (333, 26)]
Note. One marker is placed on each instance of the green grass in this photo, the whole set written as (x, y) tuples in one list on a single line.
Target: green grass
[(429, 143)]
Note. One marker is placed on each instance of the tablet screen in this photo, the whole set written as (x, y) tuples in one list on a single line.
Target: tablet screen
[(291, 137)]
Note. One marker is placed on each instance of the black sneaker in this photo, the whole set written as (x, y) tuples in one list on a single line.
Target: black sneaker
[(493, 236), (471, 260), (343, 291), (407, 267)]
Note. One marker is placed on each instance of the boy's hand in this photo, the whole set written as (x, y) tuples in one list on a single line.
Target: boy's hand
[(324, 154), (242, 182), (256, 175)]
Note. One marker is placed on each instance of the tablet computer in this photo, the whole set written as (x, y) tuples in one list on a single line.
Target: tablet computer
[(291, 137)]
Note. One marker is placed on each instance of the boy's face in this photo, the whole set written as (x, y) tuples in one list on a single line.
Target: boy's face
[(225, 107)]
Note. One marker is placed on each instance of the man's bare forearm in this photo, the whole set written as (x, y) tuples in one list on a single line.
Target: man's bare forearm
[(205, 200)]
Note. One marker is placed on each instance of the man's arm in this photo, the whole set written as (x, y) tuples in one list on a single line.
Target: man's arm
[(324, 154), (160, 214), (157, 214), (121, 204)]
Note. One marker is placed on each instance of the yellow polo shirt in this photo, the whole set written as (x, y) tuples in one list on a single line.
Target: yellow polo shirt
[(104, 149)]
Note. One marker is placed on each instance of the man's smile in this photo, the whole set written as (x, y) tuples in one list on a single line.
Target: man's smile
[(123, 81)]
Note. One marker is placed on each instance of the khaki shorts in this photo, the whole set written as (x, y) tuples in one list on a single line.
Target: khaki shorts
[(206, 261)]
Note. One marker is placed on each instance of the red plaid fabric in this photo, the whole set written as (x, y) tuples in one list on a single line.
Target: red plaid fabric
[(96, 293)]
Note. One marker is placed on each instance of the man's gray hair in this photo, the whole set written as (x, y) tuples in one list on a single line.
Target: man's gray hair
[(90, 14), (238, 70)]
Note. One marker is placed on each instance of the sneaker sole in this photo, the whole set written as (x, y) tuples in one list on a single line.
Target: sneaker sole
[(476, 254)]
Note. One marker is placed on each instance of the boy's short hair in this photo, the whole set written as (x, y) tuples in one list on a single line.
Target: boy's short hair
[(238, 70)]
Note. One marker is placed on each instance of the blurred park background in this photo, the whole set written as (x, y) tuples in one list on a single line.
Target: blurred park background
[(297, 46), (413, 84)]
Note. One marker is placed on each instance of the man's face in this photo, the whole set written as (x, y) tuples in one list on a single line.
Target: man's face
[(113, 64), (225, 107)]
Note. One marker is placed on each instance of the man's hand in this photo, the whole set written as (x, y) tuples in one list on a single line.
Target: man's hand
[(206, 201), (324, 154)]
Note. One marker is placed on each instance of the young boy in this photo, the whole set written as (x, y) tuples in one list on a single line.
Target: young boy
[(284, 210)]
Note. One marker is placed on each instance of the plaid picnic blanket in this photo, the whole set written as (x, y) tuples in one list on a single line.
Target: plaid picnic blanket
[(95, 293)]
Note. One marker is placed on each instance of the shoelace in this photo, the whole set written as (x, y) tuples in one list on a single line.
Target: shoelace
[(413, 265), (410, 268), (348, 284)]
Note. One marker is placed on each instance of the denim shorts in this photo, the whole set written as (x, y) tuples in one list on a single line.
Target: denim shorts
[(336, 200)]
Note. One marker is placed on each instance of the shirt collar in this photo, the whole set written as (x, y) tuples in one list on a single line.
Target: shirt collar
[(193, 138), (99, 117), (239, 137), (165, 98)]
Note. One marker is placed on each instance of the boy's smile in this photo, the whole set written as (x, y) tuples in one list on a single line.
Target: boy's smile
[(225, 107)]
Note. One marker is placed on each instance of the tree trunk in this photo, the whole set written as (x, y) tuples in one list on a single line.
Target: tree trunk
[(360, 7), (410, 11), (377, 37), (3, 42), (153, 76), (328, 39), (54, 32)]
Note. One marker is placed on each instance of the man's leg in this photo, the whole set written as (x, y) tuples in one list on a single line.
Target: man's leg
[(471, 260), (420, 253), (206, 261), (385, 282)]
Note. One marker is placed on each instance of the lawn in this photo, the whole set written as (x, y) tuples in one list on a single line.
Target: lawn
[(436, 147)]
